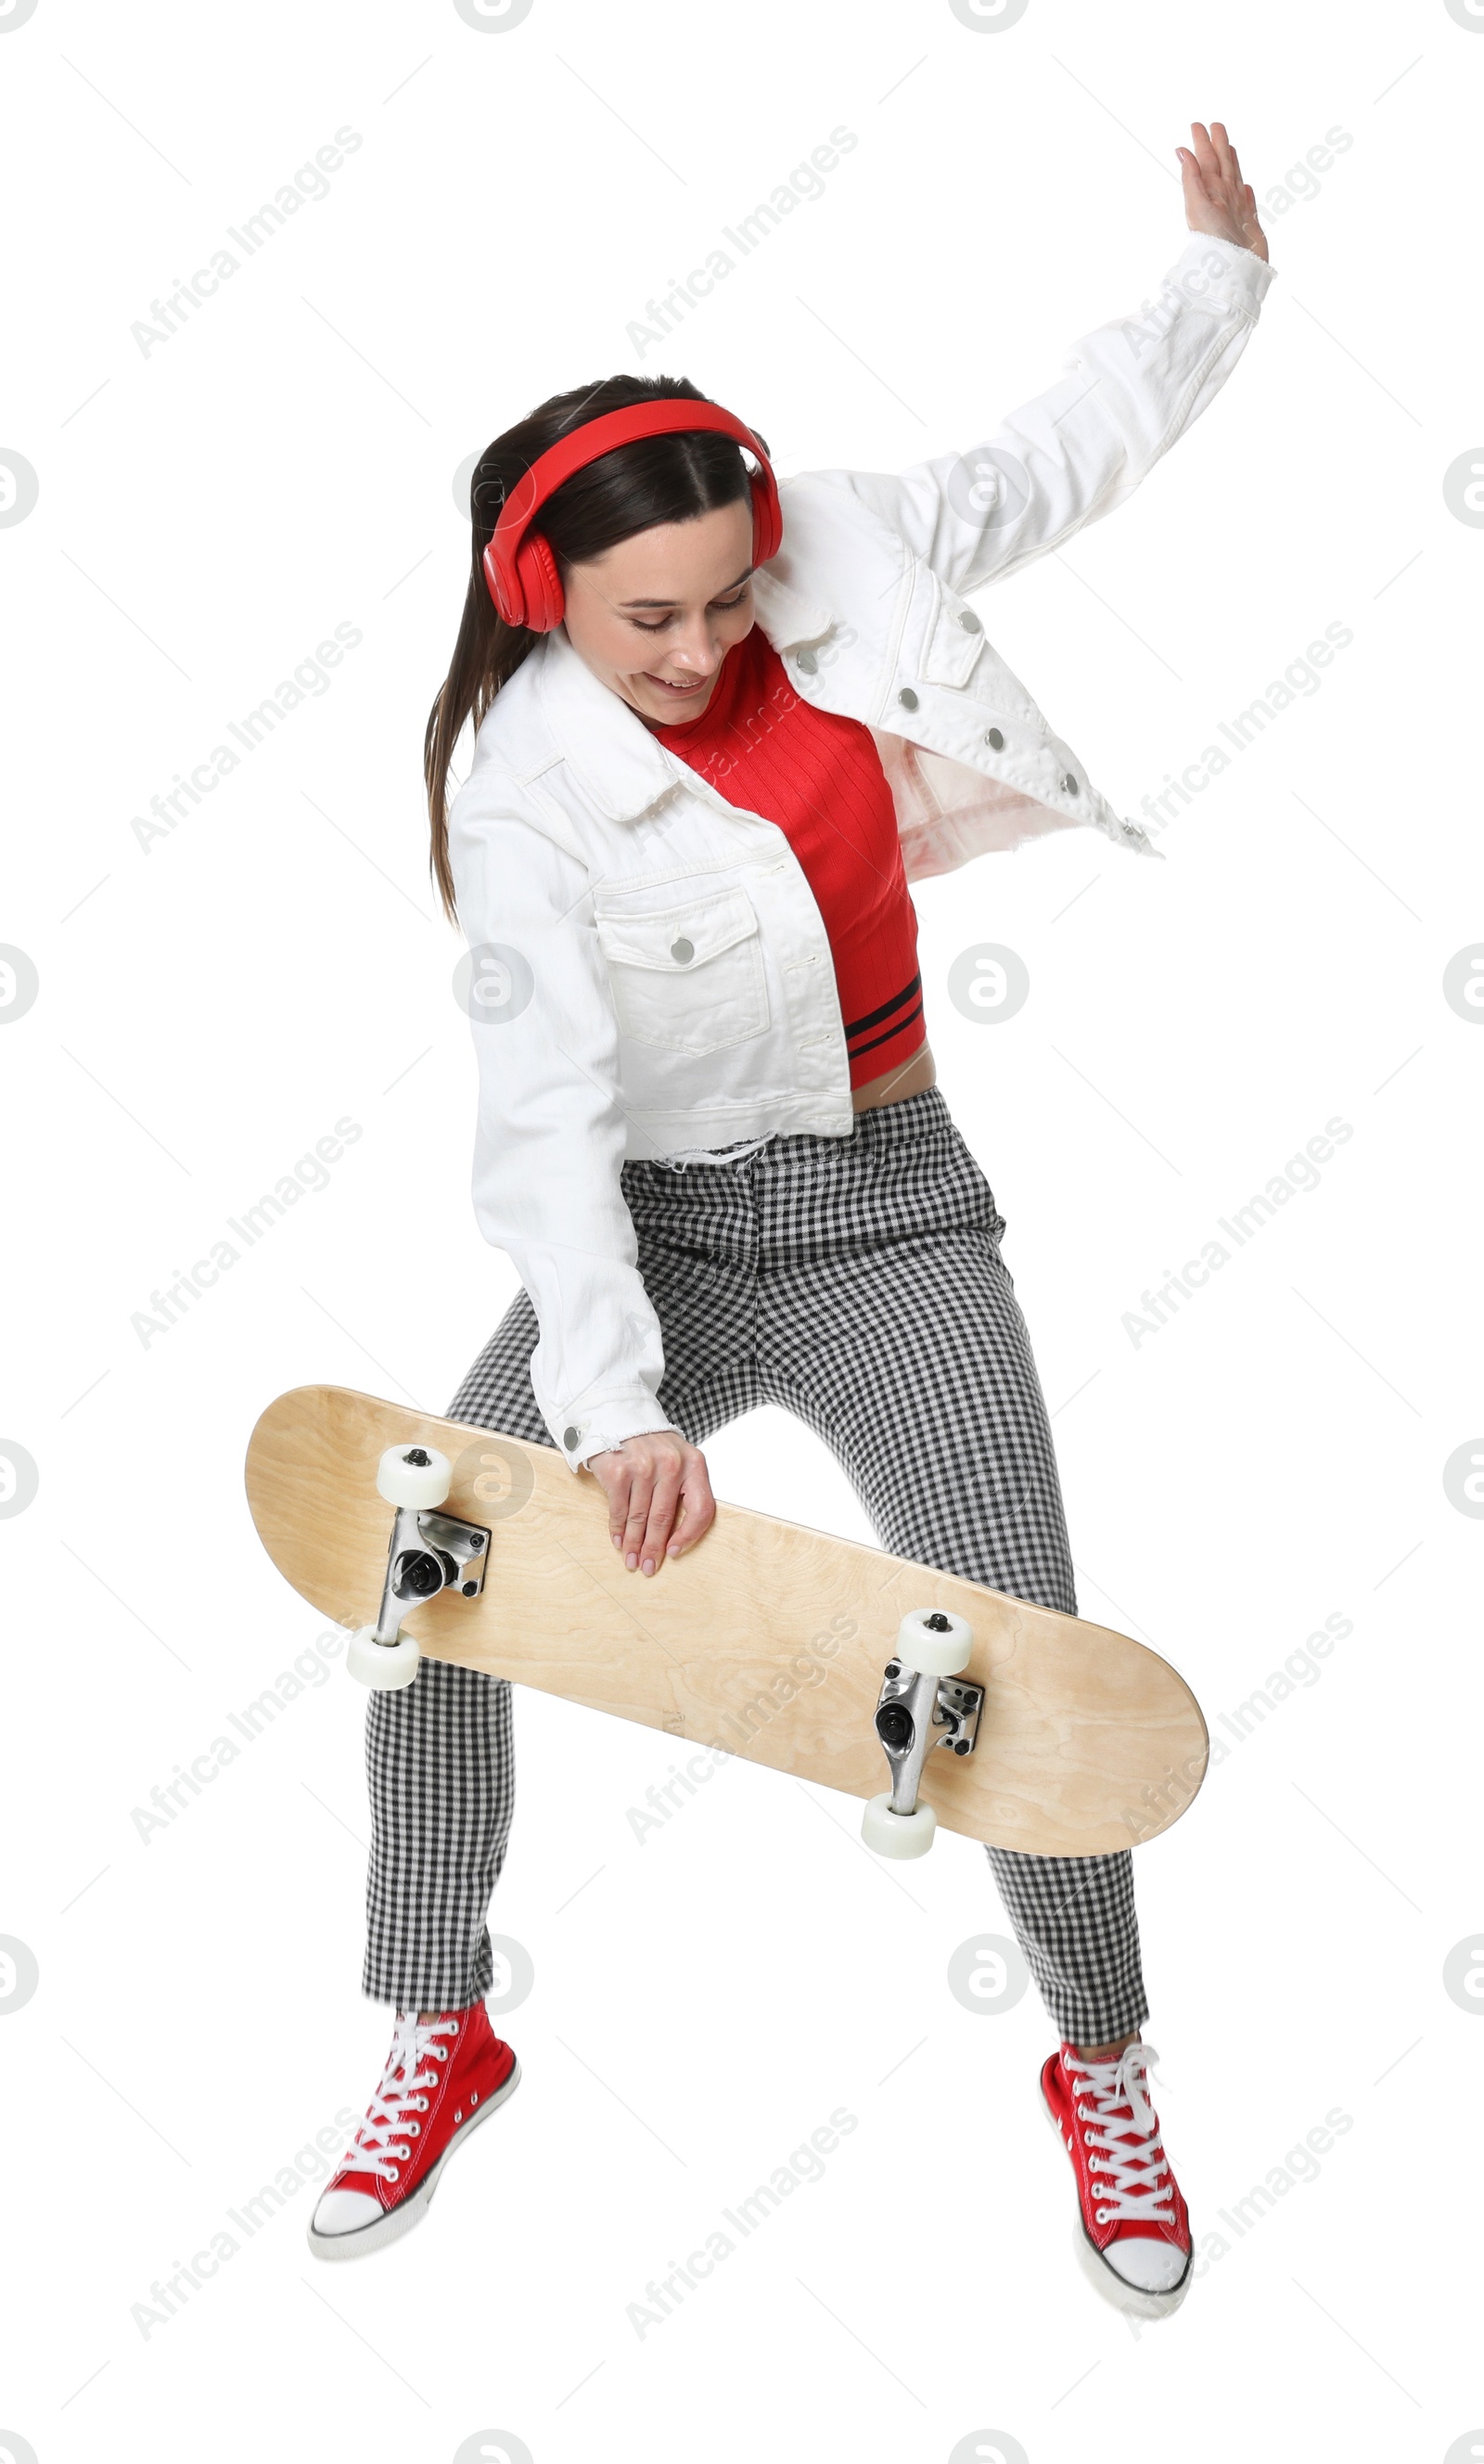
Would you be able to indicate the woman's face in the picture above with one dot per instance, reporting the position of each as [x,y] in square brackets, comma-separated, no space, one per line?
[655,617]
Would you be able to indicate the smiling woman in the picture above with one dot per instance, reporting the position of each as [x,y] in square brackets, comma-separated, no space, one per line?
[708,1134]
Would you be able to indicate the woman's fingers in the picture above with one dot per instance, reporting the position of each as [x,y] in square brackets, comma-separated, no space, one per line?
[1220,168]
[697,1506]
[658,1497]
[1217,198]
[1214,151]
[636,1519]
[1214,159]
[649,1519]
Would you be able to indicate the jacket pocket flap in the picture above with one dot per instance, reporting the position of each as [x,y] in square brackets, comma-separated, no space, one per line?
[678,937]
[953,646]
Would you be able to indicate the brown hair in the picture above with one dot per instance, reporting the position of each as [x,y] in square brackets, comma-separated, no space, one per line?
[655,479]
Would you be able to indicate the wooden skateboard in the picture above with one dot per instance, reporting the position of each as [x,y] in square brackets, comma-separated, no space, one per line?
[934,1699]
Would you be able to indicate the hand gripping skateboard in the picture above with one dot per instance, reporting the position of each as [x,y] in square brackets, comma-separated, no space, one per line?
[818,1656]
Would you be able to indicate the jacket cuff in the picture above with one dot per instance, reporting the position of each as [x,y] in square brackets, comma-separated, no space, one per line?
[632,1412]
[1250,277]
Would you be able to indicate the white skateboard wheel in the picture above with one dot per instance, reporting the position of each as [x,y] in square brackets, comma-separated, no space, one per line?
[933,1652]
[403,1481]
[896,1835]
[382,1665]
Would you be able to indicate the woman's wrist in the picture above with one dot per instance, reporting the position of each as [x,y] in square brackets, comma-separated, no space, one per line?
[615,1445]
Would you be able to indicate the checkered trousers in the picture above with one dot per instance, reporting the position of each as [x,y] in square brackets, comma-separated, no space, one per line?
[858,1282]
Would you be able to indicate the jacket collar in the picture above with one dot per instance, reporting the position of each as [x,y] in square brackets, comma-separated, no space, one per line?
[624,769]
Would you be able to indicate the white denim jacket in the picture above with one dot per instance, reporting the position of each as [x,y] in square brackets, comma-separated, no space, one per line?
[650,974]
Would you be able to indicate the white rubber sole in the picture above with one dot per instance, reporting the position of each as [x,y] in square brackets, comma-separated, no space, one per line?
[1104,2278]
[398,2220]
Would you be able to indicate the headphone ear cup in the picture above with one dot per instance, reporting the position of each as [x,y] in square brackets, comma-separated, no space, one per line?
[503,608]
[767,519]
[536,599]
[540,584]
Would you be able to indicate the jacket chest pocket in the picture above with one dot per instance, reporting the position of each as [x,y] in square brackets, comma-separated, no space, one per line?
[690,979]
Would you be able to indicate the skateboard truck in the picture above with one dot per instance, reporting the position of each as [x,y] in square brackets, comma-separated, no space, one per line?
[925,1705]
[429,1552]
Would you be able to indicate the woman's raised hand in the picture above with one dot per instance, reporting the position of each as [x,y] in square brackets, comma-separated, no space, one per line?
[658,1496]
[1217,198]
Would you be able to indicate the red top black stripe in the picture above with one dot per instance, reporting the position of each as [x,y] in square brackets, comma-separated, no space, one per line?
[900,1024]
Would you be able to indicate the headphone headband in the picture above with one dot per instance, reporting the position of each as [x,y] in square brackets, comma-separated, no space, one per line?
[519,568]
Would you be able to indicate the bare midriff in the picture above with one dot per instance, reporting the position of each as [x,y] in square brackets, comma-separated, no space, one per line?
[912,1078]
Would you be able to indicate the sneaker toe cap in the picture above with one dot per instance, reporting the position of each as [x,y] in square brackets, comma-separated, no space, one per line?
[345,2212]
[1150,2266]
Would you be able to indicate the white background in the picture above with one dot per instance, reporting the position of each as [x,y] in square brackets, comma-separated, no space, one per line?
[207,1009]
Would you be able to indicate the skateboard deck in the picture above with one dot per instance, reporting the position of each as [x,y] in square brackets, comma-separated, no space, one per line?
[767,1640]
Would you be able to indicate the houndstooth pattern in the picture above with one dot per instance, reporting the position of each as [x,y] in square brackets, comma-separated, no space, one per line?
[857,1282]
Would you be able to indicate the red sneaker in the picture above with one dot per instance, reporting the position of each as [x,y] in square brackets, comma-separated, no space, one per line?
[443,2077]
[1135,2236]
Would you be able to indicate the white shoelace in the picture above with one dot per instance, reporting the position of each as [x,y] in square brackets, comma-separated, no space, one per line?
[390,2124]
[1131,2180]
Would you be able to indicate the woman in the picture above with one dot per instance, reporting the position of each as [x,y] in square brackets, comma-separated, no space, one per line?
[716,732]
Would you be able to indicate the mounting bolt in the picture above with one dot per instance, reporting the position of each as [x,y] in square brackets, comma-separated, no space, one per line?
[894,1726]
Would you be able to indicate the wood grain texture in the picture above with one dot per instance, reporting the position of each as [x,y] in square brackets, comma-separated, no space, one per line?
[769,1640]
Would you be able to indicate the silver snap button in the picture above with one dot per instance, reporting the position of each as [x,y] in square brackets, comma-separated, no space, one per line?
[970,621]
[907,697]
[1069,783]
[570,1437]
[806,661]
[993,738]
[683,951]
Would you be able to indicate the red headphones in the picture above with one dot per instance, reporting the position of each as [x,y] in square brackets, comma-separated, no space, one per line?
[518,564]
